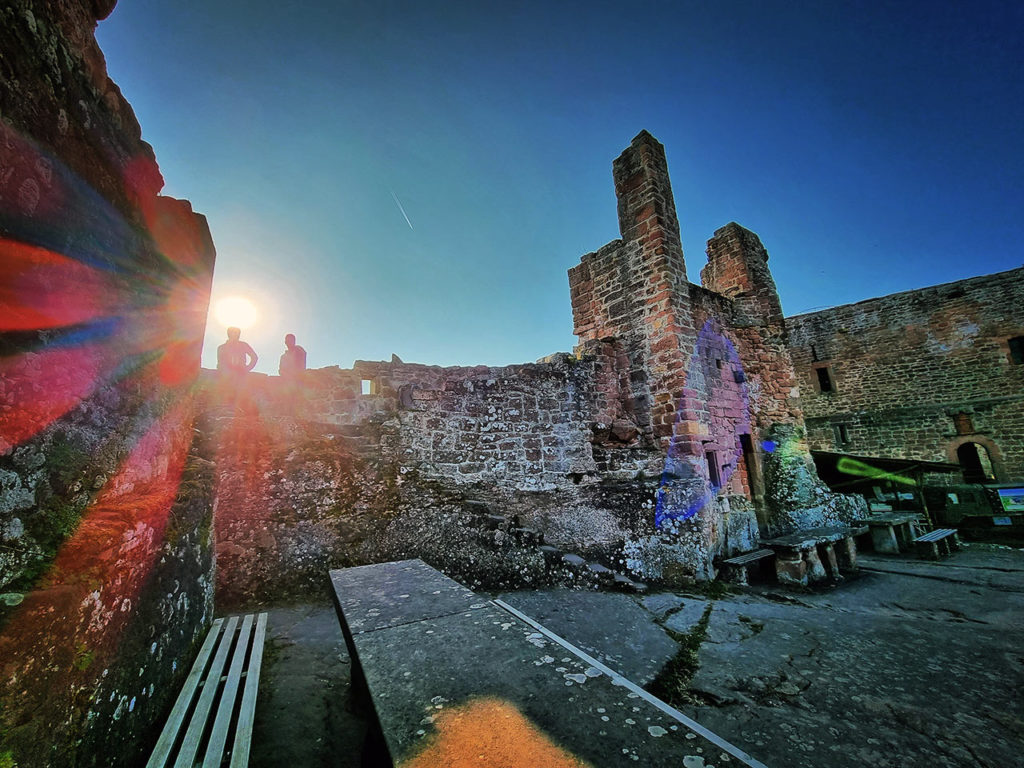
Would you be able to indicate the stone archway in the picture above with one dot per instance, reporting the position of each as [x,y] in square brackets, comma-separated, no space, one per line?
[980,458]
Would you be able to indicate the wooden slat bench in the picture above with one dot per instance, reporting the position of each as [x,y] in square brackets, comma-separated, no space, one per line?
[450,677]
[203,718]
[736,569]
[941,541]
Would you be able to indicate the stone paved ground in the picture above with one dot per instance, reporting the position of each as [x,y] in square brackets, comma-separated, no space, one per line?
[304,717]
[892,669]
[912,664]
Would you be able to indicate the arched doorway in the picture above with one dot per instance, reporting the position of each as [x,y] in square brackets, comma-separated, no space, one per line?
[976,463]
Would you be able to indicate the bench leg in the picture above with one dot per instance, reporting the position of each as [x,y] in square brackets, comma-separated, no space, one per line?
[846,553]
[950,544]
[736,574]
[904,535]
[815,570]
[790,568]
[927,550]
[827,554]
[884,539]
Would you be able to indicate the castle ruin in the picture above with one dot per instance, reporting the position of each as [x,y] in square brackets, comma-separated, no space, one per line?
[136,492]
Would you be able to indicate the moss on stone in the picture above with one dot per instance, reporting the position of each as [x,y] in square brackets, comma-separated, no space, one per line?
[672,685]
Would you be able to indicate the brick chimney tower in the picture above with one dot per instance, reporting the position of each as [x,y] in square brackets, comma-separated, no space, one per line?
[634,292]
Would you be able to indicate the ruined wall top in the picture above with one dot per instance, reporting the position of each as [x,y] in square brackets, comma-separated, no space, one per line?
[57,95]
[738,268]
[647,210]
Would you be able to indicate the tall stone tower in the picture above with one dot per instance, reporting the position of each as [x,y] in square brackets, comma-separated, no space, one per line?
[634,293]
[703,371]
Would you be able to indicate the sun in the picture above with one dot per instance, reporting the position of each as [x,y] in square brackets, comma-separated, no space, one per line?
[236,311]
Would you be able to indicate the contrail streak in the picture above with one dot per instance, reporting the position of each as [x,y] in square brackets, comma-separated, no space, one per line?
[399,204]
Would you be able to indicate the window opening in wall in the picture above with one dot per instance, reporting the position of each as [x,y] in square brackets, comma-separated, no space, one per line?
[369,387]
[713,474]
[825,383]
[842,433]
[1016,345]
[963,423]
[750,464]
[976,463]
[814,354]
[718,363]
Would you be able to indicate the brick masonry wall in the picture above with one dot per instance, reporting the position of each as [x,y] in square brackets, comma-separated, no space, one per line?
[635,291]
[785,487]
[904,365]
[633,294]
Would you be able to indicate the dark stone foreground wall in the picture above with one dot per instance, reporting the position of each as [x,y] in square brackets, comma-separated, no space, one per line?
[906,366]
[105,491]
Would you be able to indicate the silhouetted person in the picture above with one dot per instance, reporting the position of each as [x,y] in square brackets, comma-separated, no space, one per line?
[234,355]
[293,361]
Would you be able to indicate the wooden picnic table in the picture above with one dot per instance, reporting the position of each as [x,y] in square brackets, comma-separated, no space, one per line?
[892,532]
[455,678]
[816,554]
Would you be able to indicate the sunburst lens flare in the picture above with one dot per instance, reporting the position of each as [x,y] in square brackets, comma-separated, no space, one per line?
[236,311]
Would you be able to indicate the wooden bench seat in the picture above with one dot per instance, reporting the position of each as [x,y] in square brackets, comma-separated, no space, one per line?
[736,569]
[450,677]
[934,544]
[203,719]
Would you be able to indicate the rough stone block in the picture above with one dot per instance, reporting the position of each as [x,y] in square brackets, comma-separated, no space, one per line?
[815,570]
[827,554]
[846,554]
[791,571]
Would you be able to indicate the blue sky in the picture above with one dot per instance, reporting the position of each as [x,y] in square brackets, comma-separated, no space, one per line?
[874,146]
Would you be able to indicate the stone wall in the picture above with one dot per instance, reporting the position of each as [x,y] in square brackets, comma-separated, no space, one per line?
[105,494]
[708,370]
[313,473]
[919,373]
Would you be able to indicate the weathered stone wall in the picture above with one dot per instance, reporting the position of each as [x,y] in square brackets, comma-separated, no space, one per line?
[314,473]
[904,366]
[96,646]
[105,496]
[294,498]
[708,369]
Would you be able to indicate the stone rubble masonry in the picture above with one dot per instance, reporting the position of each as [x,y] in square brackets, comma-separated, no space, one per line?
[106,491]
[315,472]
[906,365]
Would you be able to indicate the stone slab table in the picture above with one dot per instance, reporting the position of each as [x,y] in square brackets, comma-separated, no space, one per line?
[892,532]
[816,554]
[451,676]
